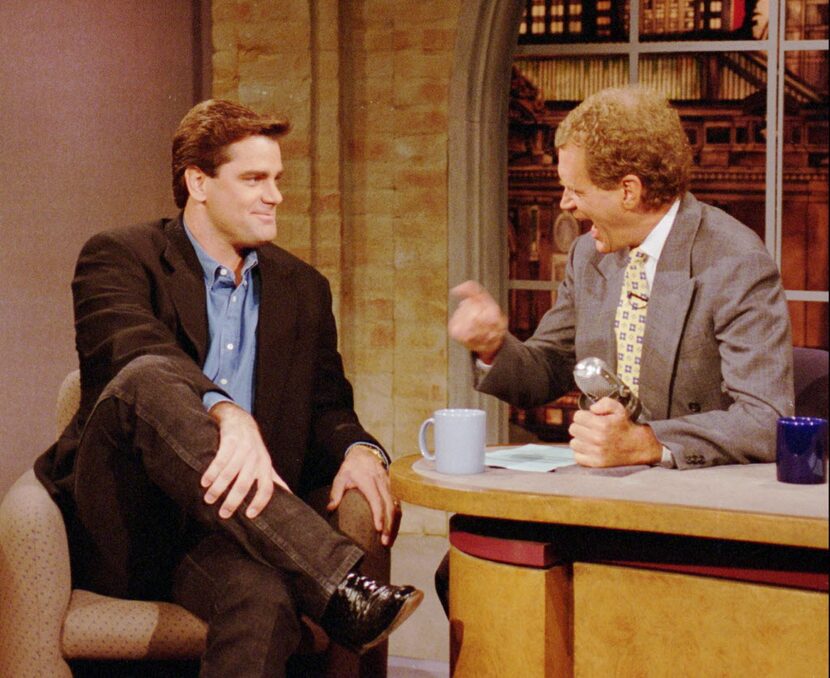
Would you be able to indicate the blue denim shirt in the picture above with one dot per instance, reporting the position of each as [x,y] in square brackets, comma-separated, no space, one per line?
[233,314]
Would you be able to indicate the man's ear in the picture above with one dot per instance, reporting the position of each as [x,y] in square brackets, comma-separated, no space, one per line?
[195,180]
[632,191]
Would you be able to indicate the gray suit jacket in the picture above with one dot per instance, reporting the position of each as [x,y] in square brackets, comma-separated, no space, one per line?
[717,354]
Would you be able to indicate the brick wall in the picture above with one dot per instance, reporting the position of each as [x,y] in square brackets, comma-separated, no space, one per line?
[365,84]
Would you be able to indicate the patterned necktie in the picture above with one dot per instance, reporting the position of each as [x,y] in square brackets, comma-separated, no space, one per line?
[630,321]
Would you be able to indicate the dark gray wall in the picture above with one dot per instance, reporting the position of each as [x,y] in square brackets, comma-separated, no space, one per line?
[90,93]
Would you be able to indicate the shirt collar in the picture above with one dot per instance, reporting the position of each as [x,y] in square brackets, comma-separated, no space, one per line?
[212,268]
[656,239]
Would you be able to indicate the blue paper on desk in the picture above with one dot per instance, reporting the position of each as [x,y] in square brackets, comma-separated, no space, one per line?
[532,457]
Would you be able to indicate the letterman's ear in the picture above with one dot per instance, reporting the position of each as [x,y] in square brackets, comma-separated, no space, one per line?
[632,191]
[195,180]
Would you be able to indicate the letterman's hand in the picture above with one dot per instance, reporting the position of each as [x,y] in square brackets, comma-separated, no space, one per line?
[605,436]
[478,323]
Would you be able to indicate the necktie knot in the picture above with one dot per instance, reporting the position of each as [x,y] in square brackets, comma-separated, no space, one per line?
[636,281]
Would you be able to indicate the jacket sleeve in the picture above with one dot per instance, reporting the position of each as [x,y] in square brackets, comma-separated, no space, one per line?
[531,373]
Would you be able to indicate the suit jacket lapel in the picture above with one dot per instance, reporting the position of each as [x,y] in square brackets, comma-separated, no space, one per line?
[186,284]
[276,330]
[602,339]
[668,306]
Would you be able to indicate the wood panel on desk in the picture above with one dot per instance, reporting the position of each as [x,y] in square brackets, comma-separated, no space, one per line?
[508,620]
[639,622]
[451,494]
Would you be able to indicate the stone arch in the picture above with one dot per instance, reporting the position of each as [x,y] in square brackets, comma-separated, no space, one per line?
[477,168]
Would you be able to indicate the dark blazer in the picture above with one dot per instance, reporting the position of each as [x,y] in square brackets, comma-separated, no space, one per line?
[717,354]
[140,290]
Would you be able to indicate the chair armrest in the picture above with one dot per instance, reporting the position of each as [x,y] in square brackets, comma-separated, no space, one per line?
[35,581]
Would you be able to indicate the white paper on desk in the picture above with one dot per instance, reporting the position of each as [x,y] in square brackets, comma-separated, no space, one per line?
[532,457]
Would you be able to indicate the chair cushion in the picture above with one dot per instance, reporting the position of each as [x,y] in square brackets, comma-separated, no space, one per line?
[99,627]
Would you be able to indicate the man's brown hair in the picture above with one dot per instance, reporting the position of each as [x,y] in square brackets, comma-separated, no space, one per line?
[631,130]
[207,130]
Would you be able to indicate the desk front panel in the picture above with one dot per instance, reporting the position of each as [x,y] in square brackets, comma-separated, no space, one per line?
[640,622]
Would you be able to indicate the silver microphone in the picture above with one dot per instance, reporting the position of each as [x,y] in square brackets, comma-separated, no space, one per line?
[596,381]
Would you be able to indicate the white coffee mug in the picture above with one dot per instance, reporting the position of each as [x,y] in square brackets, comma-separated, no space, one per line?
[459,440]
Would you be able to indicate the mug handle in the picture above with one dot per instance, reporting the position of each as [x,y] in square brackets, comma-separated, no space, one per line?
[422,439]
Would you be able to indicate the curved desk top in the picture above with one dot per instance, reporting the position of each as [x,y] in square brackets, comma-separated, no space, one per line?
[740,502]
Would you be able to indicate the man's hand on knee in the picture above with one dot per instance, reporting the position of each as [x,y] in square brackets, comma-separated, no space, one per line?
[241,460]
[364,471]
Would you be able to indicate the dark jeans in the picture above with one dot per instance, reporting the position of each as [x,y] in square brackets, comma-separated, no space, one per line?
[142,529]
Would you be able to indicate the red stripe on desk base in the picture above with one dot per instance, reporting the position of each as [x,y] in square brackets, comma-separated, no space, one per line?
[527,553]
[510,551]
[814,581]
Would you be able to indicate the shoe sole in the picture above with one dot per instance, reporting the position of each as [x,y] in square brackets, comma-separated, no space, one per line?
[409,606]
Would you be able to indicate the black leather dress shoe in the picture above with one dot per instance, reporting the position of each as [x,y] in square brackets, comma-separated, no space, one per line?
[363,612]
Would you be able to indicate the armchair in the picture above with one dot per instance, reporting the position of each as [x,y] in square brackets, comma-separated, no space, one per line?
[44,622]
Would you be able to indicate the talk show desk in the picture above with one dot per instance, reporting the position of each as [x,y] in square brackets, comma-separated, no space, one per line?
[631,572]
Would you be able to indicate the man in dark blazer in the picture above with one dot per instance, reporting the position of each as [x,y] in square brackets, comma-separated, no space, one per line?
[213,406]
[715,371]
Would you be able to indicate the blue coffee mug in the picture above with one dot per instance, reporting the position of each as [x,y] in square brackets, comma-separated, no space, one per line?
[801,450]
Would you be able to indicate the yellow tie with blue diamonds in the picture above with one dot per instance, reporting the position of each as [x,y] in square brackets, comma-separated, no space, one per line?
[630,321]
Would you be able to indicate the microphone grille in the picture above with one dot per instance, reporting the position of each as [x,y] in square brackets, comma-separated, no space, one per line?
[590,376]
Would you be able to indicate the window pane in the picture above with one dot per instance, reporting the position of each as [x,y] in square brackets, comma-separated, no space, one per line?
[525,310]
[574,21]
[549,422]
[804,211]
[806,20]
[529,238]
[539,234]
[542,93]
[721,98]
[809,321]
[682,20]
[559,81]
